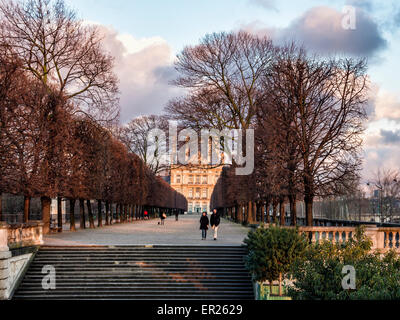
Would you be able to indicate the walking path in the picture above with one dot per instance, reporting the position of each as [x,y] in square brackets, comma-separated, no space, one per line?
[184,232]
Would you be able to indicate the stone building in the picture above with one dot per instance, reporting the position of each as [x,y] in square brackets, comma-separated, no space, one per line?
[196,184]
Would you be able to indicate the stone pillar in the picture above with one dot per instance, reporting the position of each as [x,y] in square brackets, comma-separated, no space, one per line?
[5,255]
[376,237]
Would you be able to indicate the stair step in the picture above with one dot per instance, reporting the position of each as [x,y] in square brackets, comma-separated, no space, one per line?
[140,273]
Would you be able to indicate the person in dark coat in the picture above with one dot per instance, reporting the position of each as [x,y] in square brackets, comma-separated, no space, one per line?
[163,216]
[204,223]
[215,222]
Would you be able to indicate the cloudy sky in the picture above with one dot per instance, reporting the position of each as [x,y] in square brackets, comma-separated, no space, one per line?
[145,36]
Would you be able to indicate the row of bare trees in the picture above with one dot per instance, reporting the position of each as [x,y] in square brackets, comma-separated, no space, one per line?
[59,102]
[307,111]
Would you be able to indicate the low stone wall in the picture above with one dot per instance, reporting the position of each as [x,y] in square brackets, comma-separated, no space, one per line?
[23,235]
[11,268]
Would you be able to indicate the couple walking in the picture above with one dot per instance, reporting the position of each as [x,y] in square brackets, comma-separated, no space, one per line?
[214,221]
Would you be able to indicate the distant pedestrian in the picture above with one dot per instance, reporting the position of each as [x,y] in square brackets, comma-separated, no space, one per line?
[176,215]
[204,223]
[163,217]
[215,222]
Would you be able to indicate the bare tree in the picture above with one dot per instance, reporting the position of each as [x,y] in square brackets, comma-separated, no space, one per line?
[62,53]
[135,136]
[277,152]
[222,75]
[387,183]
[10,85]
[327,98]
[66,57]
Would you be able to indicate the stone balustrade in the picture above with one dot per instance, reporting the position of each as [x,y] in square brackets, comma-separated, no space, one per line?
[383,239]
[334,234]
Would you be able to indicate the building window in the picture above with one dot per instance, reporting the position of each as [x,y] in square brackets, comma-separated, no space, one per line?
[198,179]
[190,179]
[190,207]
[191,193]
[205,193]
[198,190]
[205,180]
[178,179]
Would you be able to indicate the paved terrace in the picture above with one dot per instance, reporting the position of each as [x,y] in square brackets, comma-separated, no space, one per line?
[184,232]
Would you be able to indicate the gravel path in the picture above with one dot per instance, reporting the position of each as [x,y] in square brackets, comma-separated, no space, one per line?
[184,232]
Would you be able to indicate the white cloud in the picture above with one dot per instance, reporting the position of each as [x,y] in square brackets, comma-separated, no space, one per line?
[133,45]
[387,105]
[320,29]
[144,67]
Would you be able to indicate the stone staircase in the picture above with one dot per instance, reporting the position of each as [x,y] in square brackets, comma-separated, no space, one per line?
[139,273]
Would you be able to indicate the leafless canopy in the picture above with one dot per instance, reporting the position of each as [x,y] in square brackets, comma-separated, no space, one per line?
[222,75]
[135,135]
[310,120]
[62,52]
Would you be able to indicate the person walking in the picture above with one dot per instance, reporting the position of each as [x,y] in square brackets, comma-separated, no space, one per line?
[163,216]
[204,223]
[215,222]
[176,215]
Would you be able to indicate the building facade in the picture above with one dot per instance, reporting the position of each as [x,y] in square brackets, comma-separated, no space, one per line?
[196,184]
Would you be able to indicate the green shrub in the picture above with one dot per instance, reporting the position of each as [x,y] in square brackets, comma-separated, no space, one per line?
[272,251]
[319,276]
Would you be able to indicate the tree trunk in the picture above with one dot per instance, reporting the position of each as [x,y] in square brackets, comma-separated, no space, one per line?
[72,215]
[117,213]
[107,213]
[250,212]
[111,214]
[132,212]
[1,206]
[275,211]
[82,214]
[282,212]
[46,206]
[309,201]
[293,210]
[27,208]
[59,214]
[90,214]
[267,207]
[280,284]
[100,214]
